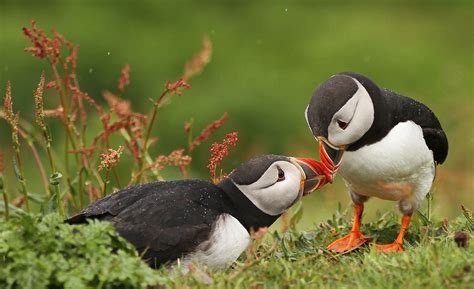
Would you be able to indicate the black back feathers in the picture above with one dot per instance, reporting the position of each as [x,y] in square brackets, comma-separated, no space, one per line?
[164,220]
[404,108]
[167,220]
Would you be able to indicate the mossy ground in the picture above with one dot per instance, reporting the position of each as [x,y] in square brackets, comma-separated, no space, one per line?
[42,252]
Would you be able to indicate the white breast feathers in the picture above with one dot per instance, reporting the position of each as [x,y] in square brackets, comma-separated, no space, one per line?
[398,167]
[227,241]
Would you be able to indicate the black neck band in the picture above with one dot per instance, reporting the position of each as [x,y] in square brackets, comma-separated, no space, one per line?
[251,217]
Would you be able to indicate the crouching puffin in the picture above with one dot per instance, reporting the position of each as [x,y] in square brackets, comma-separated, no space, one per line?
[383,144]
[203,222]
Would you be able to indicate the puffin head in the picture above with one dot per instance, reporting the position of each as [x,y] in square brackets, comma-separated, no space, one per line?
[274,183]
[341,112]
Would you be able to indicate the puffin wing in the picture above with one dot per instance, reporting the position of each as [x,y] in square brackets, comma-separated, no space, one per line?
[405,108]
[113,204]
[163,220]
[437,142]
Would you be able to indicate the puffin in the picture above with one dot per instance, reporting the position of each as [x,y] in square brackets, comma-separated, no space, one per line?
[383,144]
[198,221]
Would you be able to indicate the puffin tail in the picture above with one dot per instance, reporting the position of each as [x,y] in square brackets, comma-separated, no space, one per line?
[77,219]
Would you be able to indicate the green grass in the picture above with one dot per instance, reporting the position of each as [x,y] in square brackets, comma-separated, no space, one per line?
[431,260]
[291,259]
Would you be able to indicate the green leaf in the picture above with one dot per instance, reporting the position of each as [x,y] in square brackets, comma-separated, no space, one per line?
[35,198]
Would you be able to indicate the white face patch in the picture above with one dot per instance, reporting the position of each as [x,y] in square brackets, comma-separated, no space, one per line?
[357,113]
[271,196]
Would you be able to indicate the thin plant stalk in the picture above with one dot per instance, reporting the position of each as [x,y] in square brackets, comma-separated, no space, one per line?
[154,113]
[39,115]
[116,177]
[106,181]
[5,200]
[13,120]
[109,160]
[99,179]
[2,190]
[170,87]
[20,174]
[64,103]
[67,122]
[82,141]
[81,138]
[39,164]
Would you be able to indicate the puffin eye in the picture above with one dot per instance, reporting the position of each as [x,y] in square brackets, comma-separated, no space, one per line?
[342,124]
[281,175]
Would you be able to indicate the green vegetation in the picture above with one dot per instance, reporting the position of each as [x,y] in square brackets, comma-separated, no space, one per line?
[45,253]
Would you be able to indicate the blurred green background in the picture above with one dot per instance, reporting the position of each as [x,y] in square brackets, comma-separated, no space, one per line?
[268,57]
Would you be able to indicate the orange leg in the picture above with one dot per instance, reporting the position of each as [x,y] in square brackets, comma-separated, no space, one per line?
[396,246]
[355,238]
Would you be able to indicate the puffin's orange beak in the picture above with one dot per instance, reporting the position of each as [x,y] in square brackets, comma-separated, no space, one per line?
[315,176]
[331,158]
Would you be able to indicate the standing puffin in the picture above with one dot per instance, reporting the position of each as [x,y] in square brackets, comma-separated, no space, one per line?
[383,144]
[203,222]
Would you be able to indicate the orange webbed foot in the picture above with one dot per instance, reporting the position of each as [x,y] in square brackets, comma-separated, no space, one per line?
[348,243]
[394,247]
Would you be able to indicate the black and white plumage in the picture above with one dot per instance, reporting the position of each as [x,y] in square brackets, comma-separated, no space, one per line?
[198,221]
[383,144]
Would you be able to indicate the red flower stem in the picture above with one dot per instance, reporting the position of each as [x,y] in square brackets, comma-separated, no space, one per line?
[44,178]
[64,104]
[156,105]
[67,123]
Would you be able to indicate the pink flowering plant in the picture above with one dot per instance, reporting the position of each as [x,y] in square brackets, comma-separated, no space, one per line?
[88,170]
